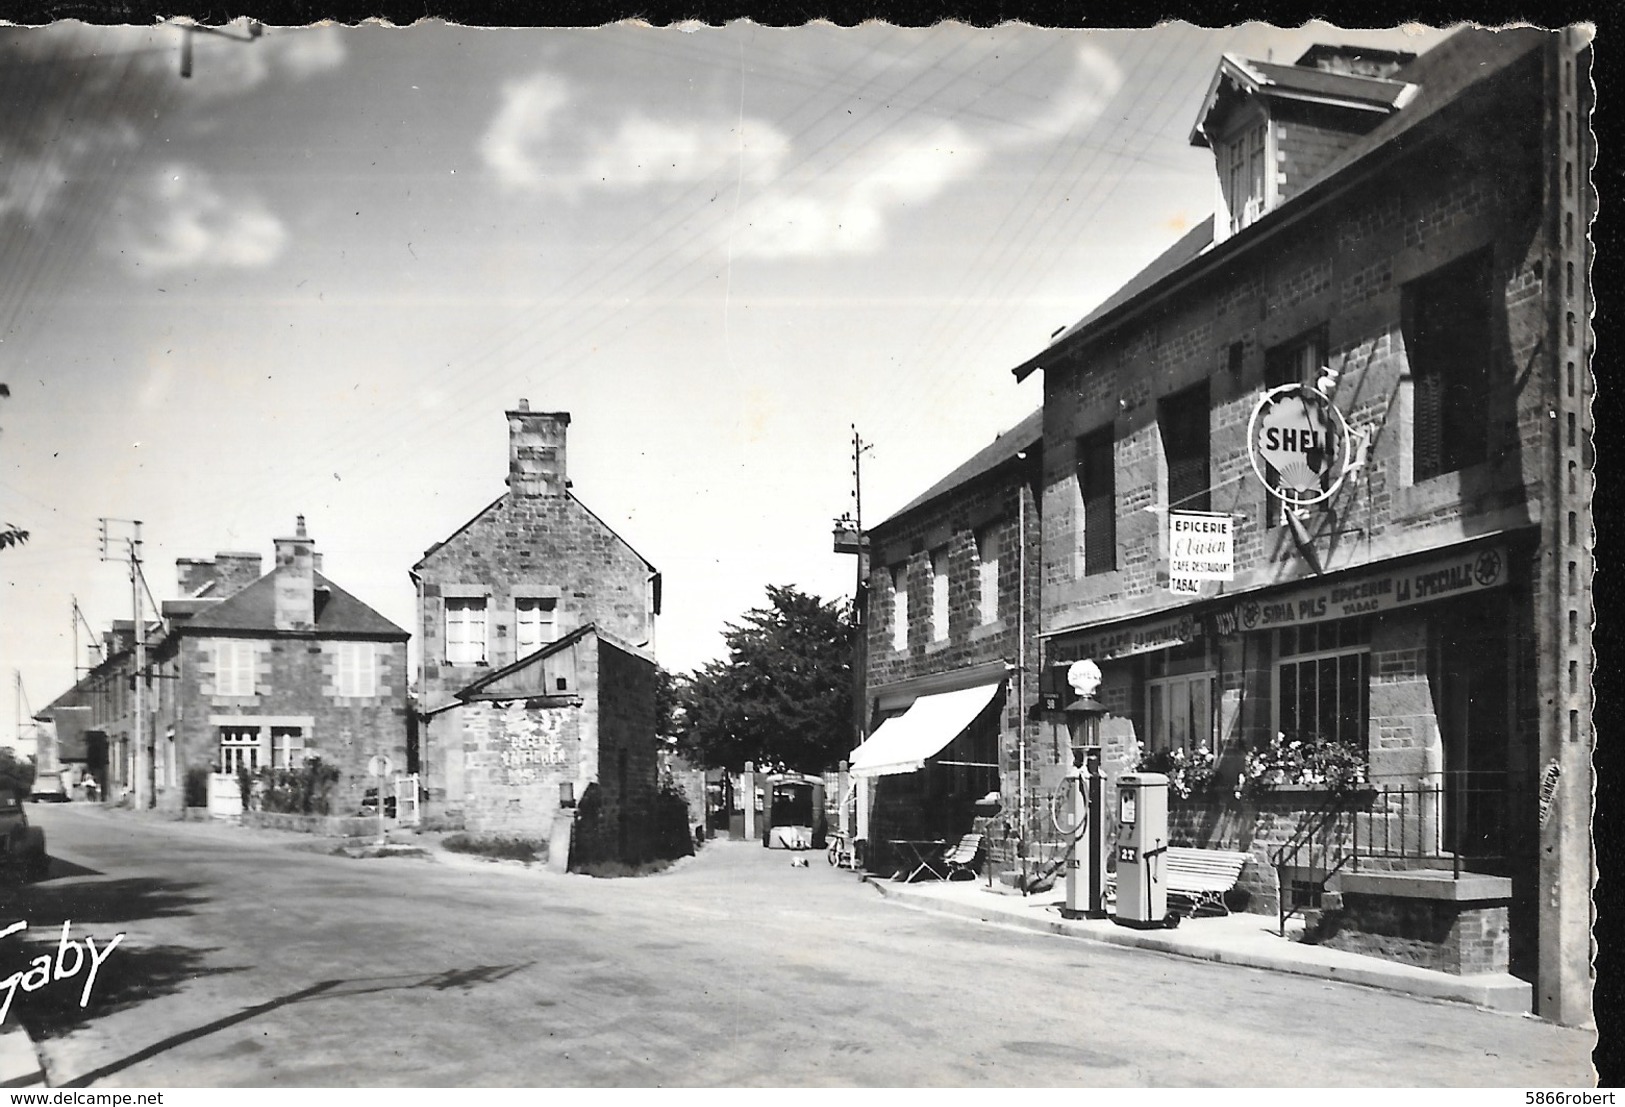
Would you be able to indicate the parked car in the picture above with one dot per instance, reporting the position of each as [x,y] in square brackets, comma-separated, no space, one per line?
[22,847]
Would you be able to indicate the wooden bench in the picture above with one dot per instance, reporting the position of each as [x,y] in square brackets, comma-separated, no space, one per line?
[1197,878]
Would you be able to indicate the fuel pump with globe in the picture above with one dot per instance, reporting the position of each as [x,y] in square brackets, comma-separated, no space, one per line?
[1085,783]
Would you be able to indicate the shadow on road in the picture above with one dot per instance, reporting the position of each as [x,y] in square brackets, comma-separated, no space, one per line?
[48,905]
[126,978]
[325,989]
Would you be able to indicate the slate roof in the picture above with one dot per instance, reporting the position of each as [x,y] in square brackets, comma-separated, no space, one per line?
[1024,435]
[254,609]
[1440,76]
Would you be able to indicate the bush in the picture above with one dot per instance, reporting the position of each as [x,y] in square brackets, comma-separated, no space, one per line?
[671,836]
[197,786]
[507,849]
[306,790]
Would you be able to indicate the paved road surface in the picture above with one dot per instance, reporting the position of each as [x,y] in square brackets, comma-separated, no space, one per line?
[250,962]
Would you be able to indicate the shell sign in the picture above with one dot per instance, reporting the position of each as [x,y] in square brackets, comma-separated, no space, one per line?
[1298,444]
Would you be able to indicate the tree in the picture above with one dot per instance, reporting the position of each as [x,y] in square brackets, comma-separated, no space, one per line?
[10,535]
[16,772]
[783,697]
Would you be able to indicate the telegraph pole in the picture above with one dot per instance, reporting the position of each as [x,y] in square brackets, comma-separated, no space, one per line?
[142,755]
[850,539]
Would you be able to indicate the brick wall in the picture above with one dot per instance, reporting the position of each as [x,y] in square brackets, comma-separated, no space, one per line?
[1000,500]
[1345,268]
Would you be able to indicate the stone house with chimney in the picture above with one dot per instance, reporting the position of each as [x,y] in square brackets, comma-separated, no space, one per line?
[537,629]
[247,670]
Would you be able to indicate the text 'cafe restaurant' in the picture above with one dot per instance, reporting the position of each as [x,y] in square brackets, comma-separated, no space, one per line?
[1414,661]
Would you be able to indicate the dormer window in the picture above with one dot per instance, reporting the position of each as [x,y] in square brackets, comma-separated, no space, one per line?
[1246,185]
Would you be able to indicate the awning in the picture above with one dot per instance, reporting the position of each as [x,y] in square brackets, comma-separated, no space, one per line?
[902,743]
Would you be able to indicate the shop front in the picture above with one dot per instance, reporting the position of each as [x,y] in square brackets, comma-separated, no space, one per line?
[1377,717]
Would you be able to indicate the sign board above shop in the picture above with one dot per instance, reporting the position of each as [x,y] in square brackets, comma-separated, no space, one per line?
[1437,579]
[1128,639]
[1201,546]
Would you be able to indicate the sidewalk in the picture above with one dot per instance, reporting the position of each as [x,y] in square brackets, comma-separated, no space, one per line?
[1239,939]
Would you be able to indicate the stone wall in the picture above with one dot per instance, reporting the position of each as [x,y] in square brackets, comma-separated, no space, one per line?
[295,680]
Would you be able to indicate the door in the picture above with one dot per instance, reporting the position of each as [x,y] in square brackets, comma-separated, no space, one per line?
[1473,700]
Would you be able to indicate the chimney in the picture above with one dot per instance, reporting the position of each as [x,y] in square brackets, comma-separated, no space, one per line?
[295,581]
[536,451]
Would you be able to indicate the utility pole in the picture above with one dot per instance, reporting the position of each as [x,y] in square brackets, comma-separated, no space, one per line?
[142,755]
[850,539]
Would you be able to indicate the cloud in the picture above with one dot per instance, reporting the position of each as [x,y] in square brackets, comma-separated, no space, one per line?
[514,144]
[180,219]
[847,213]
[1080,98]
[224,66]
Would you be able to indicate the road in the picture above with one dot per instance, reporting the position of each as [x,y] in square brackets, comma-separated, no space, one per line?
[249,959]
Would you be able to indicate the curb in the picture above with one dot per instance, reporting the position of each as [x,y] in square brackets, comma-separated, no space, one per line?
[20,1064]
[1497,992]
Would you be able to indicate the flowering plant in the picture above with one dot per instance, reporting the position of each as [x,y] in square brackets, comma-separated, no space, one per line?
[1188,771]
[1313,761]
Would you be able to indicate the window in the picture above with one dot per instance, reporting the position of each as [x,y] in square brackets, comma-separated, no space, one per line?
[234,669]
[939,594]
[357,673]
[1180,699]
[533,625]
[1246,175]
[1097,488]
[1446,321]
[899,607]
[987,558]
[1183,420]
[239,748]
[465,630]
[1179,711]
[1322,681]
[287,747]
[1296,362]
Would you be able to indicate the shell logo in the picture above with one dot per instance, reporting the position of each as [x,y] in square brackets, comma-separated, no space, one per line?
[1298,444]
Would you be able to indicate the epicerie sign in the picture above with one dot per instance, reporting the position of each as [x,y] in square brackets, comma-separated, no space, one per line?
[1201,546]
[1298,444]
[1433,580]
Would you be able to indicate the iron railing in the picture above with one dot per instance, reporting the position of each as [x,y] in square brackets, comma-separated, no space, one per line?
[1455,820]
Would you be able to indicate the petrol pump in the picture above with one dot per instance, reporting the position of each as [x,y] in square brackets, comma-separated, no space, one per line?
[1142,839]
[1085,786]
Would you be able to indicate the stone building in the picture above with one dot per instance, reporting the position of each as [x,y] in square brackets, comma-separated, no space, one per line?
[536,588]
[1417,225]
[950,657]
[247,671]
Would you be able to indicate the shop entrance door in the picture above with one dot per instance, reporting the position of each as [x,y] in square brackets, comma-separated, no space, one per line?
[1473,698]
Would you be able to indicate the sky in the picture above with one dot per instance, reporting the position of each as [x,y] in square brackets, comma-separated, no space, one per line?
[310,278]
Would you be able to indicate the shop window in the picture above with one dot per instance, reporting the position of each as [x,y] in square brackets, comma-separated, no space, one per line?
[239,748]
[899,607]
[1323,673]
[357,669]
[465,630]
[533,624]
[1097,488]
[939,594]
[1447,320]
[1179,711]
[234,669]
[1183,421]
[1296,362]
[987,558]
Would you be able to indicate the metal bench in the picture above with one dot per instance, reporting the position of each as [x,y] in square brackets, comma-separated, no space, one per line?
[1196,879]
[958,860]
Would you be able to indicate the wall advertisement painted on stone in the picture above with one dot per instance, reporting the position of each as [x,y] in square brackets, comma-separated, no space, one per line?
[534,743]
